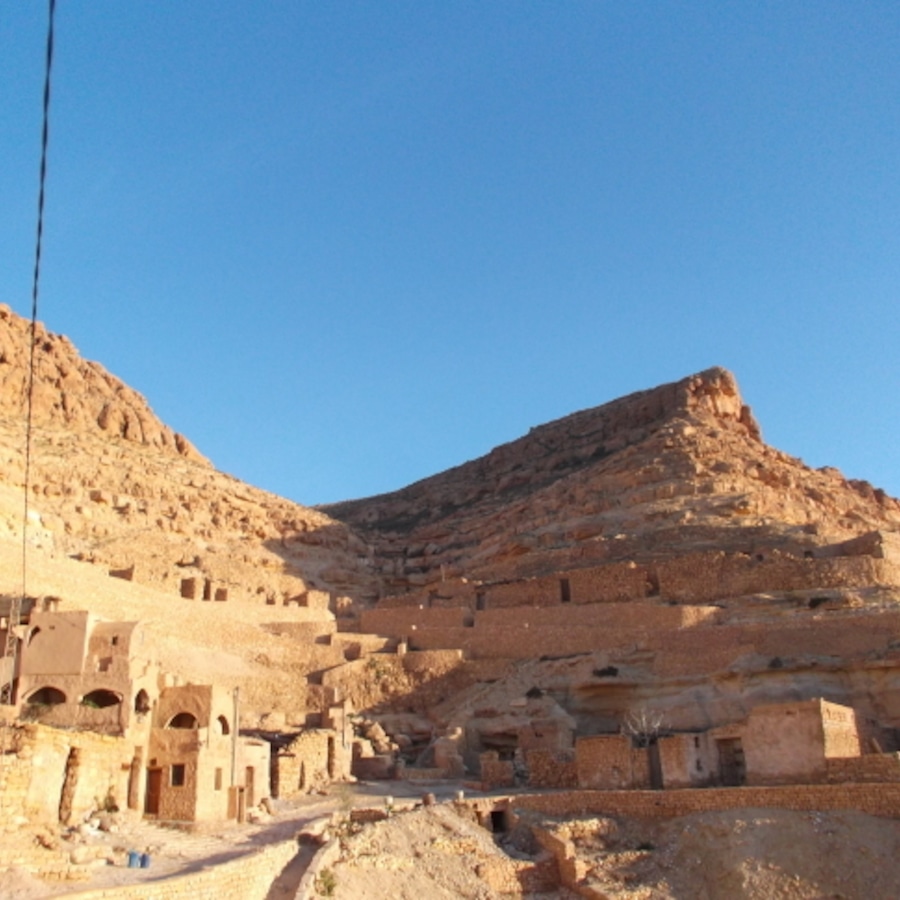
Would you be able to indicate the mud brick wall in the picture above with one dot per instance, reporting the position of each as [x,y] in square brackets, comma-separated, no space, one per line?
[687,760]
[876,767]
[609,762]
[876,799]
[635,614]
[170,747]
[703,577]
[552,769]
[616,581]
[783,743]
[528,592]
[401,621]
[495,773]
[249,877]
[708,649]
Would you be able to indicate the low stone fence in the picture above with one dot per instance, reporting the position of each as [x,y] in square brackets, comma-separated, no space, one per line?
[248,877]
[877,799]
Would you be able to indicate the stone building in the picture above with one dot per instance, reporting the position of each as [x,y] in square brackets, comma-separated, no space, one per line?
[187,760]
[805,742]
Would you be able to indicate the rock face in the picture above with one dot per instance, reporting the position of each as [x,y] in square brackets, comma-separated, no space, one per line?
[74,394]
[677,468]
[114,486]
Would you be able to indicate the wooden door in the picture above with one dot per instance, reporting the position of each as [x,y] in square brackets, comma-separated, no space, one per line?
[154,789]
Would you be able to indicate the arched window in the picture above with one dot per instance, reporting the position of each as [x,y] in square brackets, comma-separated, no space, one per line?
[142,702]
[183,720]
[100,699]
[32,635]
[47,696]
[222,723]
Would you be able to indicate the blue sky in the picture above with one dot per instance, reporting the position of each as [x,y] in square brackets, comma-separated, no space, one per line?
[346,245]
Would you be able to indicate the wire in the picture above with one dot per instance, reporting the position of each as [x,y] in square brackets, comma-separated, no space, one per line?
[15,612]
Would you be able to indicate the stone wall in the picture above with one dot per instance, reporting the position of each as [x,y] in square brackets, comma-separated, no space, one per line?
[876,767]
[552,769]
[44,770]
[302,766]
[609,762]
[248,877]
[495,772]
[695,578]
[876,799]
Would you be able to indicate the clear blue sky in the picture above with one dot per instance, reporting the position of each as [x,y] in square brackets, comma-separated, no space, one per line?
[346,245]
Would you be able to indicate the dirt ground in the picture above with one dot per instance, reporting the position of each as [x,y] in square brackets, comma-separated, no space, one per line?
[433,852]
[752,854]
[174,851]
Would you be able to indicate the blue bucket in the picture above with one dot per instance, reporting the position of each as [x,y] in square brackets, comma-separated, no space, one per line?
[145,860]
[134,859]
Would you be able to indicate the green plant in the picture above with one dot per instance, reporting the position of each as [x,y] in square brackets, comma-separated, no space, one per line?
[326,883]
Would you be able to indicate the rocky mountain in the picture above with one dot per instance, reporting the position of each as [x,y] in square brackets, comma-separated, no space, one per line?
[112,485]
[678,468]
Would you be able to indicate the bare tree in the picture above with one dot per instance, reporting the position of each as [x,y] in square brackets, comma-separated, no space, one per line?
[643,726]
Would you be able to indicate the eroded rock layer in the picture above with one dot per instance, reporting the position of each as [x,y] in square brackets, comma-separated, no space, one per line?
[678,468]
[114,486]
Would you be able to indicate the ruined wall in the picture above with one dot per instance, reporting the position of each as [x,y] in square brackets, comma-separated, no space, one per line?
[44,770]
[302,766]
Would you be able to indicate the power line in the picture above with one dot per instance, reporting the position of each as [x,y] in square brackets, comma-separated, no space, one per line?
[15,612]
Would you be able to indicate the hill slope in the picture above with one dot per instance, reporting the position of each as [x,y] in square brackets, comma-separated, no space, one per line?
[675,468]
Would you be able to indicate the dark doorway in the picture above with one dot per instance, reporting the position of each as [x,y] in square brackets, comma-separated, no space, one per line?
[565,591]
[732,768]
[656,776]
[154,788]
[499,823]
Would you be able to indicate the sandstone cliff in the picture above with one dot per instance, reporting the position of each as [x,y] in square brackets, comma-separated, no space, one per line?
[677,468]
[114,486]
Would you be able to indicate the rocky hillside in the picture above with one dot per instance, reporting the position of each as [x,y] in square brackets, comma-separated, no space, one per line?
[679,467]
[114,486]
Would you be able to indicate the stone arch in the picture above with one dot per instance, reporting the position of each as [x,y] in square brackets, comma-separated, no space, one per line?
[101,698]
[183,720]
[47,696]
[222,725]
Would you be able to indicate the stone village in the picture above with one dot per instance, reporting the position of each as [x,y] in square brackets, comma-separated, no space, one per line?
[637,607]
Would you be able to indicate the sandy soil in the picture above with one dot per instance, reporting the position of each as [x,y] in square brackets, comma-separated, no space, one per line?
[174,851]
[433,852]
[752,854]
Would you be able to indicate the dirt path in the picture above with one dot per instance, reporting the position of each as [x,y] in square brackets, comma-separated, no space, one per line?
[174,851]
